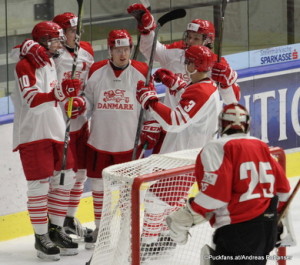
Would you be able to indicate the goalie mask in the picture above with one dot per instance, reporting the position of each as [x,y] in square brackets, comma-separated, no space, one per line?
[201,56]
[47,31]
[203,27]
[66,20]
[234,118]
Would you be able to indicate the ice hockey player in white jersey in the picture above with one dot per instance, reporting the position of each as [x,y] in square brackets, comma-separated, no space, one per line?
[195,118]
[38,135]
[241,189]
[110,97]
[79,130]
[171,57]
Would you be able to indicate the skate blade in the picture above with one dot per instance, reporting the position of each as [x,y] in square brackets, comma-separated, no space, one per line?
[42,255]
[68,251]
[89,246]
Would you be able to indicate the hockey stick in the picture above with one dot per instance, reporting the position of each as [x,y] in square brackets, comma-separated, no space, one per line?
[138,18]
[221,28]
[287,204]
[172,15]
[69,111]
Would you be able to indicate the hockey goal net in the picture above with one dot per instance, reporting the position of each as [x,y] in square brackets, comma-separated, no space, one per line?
[138,195]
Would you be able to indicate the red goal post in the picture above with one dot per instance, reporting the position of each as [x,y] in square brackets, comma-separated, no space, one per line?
[153,181]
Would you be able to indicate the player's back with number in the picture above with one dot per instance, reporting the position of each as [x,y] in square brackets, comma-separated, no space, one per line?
[242,178]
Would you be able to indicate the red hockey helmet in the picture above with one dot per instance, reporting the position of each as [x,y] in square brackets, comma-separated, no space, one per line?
[201,56]
[203,27]
[66,20]
[234,118]
[119,38]
[46,31]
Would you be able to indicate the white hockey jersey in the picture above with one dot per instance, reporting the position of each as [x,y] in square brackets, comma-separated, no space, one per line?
[64,64]
[112,105]
[193,122]
[172,58]
[43,119]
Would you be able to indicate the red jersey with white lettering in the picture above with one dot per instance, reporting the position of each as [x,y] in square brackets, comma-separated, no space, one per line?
[172,57]
[112,105]
[38,115]
[237,177]
[64,63]
[193,122]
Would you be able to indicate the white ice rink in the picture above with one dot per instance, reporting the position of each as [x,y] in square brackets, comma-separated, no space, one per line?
[21,251]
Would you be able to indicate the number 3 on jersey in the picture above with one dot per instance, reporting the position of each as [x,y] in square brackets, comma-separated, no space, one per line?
[248,169]
[188,107]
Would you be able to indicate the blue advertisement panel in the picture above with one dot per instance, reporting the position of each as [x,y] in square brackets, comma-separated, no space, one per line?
[273,101]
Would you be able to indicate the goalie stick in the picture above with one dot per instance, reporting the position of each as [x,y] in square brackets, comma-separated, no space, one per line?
[172,15]
[289,201]
[69,112]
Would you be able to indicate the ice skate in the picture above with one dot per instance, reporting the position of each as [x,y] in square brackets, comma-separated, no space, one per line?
[46,249]
[63,241]
[91,239]
[73,227]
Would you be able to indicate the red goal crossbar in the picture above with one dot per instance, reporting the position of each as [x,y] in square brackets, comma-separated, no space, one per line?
[135,206]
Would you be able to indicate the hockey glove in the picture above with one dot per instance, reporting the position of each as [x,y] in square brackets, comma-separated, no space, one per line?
[69,88]
[146,22]
[170,80]
[34,53]
[150,133]
[180,222]
[78,107]
[145,94]
[224,74]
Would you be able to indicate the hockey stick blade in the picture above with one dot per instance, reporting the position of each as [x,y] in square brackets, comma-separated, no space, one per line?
[172,15]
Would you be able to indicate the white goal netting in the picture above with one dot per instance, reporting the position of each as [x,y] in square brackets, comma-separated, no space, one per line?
[138,196]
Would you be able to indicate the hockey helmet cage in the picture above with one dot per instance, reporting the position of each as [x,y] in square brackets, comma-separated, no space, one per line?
[234,118]
[46,31]
[201,56]
[119,38]
[66,20]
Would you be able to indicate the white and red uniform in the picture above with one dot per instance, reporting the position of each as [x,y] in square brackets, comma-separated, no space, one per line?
[172,58]
[39,130]
[237,177]
[195,118]
[37,116]
[111,99]
[64,64]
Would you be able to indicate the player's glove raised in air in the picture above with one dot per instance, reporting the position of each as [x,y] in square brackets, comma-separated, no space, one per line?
[78,107]
[145,94]
[170,80]
[146,22]
[34,53]
[180,222]
[150,134]
[69,88]
[224,74]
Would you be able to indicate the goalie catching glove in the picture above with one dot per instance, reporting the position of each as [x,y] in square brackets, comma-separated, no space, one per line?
[69,88]
[146,22]
[78,107]
[170,80]
[34,53]
[180,222]
[145,94]
[224,74]
[150,134]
